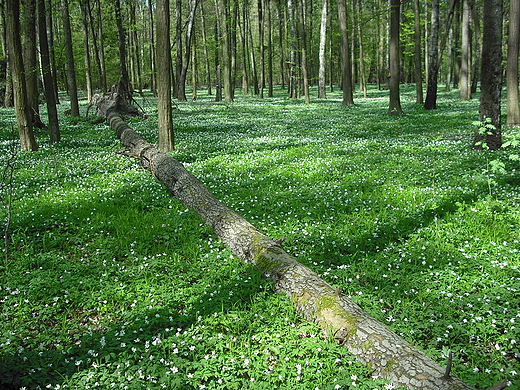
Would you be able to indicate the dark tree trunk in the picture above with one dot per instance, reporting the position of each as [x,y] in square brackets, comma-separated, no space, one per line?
[346,75]
[434,54]
[48,82]
[121,38]
[29,59]
[342,320]
[71,69]
[395,97]
[491,85]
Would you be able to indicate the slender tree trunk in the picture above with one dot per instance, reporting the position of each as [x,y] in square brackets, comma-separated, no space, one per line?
[69,60]
[205,47]
[293,80]
[465,88]
[346,76]
[8,97]
[491,85]
[103,70]
[84,5]
[48,82]
[303,35]
[225,37]
[14,45]
[261,27]
[29,57]
[435,54]
[96,47]
[249,38]
[179,91]
[164,99]
[450,60]
[323,41]
[270,91]
[282,27]
[513,108]
[395,97]
[417,55]
[194,75]
[362,77]
[431,89]
[153,73]
[477,44]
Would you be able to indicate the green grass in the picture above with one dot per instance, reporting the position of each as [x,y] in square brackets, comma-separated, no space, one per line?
[111,283]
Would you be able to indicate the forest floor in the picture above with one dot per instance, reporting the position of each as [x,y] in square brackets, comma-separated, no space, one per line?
[106,281]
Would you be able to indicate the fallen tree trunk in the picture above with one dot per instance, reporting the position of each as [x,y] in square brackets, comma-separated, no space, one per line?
[369,340]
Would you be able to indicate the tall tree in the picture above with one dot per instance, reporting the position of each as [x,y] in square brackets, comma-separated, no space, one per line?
[224,11]
[101,48]
[84,5]
[417,54]
[8,97]
[29,57]
[153,83]
[14,44]
[261,28]
[48,82]
[395,96]
[184,51]
[323,41]
[303,40]
[346,75]
[270,91]
[121,38]
[435,53]
[164,95]
[69,60]
[465,89]
[491,85]
[431,89]
[362,78]
[513,108]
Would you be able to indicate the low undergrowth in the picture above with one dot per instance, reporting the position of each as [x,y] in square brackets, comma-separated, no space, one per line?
[111,283]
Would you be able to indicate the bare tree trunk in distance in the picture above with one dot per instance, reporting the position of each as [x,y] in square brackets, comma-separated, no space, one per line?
[395,98]
[417,55]
[164,92]
[435,54]
[491,85]
[103,70]
[71,69]
[346,75]
[153,73]
[84,5]
[14,45]
[465,89]
[48,82]
[261,28]
[303,35]
[205,47]
[513,108]
[323,41]
[431,89]
[270,88]
[362,78]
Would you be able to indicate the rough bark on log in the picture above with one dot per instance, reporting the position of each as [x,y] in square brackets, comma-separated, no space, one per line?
[369,340]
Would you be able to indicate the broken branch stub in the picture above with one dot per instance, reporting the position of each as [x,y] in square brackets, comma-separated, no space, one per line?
[369,340]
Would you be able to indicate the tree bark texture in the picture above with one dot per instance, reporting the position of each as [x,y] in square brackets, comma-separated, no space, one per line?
[23,114]
[395,98]
[346,75]
[388,355]
[491,85]
[513,108]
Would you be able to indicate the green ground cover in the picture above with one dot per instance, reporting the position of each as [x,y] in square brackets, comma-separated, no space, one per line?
[111,283]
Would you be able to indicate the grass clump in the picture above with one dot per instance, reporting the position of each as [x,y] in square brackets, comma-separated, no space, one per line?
[111,283]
